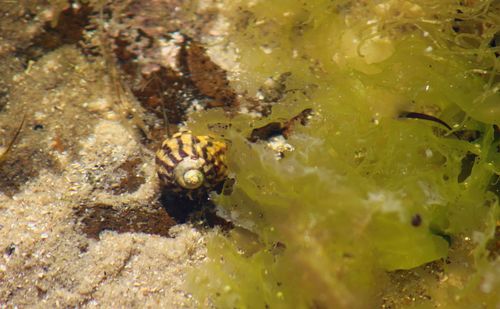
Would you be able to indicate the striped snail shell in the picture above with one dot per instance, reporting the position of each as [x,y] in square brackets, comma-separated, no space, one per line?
[188,163]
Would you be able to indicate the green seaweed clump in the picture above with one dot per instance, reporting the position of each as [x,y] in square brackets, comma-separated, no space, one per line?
[368,197]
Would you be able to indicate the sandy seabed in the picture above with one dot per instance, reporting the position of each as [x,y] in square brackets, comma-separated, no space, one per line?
[75,230]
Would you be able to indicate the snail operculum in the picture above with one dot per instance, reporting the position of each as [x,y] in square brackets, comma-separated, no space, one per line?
[188,173]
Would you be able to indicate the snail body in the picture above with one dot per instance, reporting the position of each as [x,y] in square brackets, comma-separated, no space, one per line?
[189,164]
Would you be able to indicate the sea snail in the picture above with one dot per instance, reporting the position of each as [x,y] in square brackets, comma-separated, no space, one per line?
[190,164]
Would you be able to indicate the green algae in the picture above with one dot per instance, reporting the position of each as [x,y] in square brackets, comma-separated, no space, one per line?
[365,191]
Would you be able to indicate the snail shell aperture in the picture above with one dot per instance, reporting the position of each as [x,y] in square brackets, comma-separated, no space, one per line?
[187,163]
[188,175]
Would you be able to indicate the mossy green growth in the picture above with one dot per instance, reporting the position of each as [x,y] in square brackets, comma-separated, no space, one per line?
[365,192]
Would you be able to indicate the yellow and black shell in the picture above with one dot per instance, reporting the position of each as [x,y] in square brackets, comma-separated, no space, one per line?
[187,163]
